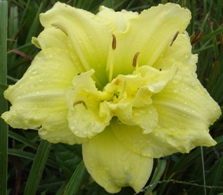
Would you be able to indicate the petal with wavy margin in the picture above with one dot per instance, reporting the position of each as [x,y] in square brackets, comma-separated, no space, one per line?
[160,25]
[88,33]
[38,99]
[183,121]
[112,165]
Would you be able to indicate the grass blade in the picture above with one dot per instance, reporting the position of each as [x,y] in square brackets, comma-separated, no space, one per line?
[156,176]
[77,179]
[203,169]
[3,102]
[37,168]
[23,140]
[29,156]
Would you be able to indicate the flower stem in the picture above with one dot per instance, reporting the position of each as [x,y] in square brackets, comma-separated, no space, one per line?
[203,169]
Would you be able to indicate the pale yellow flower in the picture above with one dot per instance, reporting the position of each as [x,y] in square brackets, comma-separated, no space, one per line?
[122,84]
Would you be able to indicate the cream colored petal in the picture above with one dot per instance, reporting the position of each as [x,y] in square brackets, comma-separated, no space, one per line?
[185,109]
[131,101]
[38,99]
[83,100]
[89,35]
[113,166]
[151,33]
[121,20]
[178,55]
[51,38]
[185,112]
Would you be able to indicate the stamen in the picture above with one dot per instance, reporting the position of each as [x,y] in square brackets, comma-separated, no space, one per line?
[174,38]
[80,102]
[113,42]
[110,58]
[134,62]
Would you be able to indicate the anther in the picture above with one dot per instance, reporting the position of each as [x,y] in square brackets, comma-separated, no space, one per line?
[134,62]
[174,38]
[80,102]
[113,42]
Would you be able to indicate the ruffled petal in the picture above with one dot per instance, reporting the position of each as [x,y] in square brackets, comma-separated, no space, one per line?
[131,101]
[184,117]
[85,31]
[156,28]
[185,108]
[185,111]
[83,100]
[112,165]
[38,99]
[179,57]
[51,38]
[120,21]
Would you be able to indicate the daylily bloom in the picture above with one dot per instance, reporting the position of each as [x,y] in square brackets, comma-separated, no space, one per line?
[122,84]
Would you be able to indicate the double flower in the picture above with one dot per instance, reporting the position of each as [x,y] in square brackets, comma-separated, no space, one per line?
[122,84]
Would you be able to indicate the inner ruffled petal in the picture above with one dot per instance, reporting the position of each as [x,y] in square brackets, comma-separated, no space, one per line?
[183,122]
[83,99]
[127,97]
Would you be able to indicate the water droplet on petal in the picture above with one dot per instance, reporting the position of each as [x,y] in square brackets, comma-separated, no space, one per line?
[73,128]
[57,139]
[176,90]
[140,141]
[172,141]
[43,132]
[177,78]
[193,111]
[194,74]
[186,56]
[148,152]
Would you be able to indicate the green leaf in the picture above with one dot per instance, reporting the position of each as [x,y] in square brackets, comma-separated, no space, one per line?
[215,176]
[3,102]
[160,168]
[37,168]
[3,87]
[23,140]
[68,157]
[76,181]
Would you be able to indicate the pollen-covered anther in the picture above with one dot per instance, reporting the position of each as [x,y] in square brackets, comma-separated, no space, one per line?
[113,42]
[134,62]
[80,102]
[174,38]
